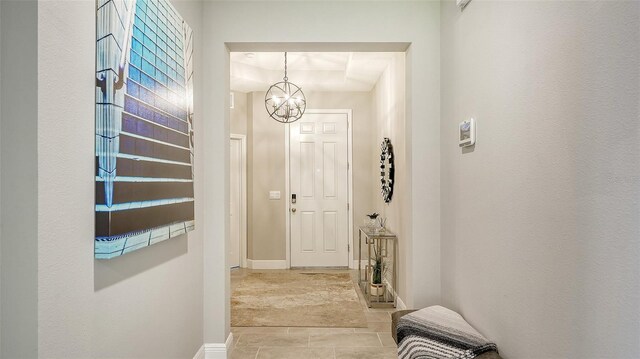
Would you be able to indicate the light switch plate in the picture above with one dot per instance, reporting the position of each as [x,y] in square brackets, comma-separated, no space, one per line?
[274,194]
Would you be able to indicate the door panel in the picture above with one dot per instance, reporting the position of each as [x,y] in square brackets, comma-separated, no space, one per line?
[330,231]
[307,225]
[318,178]
[329,170]
[307,169]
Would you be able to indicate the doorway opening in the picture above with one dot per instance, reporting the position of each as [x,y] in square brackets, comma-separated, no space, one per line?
[358,93]
[309,185]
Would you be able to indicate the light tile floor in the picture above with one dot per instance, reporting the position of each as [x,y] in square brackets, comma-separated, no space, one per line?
[373,342]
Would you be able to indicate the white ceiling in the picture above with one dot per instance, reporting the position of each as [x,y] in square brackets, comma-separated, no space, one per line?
[312,71]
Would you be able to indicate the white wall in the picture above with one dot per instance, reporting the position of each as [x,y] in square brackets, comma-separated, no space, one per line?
[541,230]
[145,304]
[18,191]
[241,26]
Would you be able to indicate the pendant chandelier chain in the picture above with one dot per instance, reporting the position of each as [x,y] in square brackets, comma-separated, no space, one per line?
[286,79]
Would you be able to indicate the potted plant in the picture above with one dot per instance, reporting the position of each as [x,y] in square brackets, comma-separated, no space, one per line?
[376,285]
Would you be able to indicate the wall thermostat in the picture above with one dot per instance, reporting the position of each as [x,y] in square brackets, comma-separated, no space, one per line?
[467,133]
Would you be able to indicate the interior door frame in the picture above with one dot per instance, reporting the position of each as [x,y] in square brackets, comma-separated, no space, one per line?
[287,198]
[243,195]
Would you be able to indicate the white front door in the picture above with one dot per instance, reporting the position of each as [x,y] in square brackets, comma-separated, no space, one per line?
[318,180]
[235,196]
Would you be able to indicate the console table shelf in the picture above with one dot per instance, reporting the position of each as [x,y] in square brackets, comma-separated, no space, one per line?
[381,247]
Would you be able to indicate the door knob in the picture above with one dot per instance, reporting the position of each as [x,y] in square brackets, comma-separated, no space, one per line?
[293,210]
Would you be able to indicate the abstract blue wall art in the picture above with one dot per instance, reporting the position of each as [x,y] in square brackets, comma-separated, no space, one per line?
[144,125]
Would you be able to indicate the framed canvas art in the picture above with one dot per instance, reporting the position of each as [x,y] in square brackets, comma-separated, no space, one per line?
[144,126]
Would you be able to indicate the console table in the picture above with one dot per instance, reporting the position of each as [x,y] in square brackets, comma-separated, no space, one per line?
[380,248]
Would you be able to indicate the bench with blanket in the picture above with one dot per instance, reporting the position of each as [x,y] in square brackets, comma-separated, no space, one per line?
[437,332]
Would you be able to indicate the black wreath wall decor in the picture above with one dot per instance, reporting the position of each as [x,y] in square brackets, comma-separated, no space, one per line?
[387,170]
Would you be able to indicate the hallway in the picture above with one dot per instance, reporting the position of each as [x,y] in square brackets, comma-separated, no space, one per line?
[372,342]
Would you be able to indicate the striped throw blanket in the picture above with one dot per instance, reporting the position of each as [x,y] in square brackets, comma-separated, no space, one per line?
[438,333]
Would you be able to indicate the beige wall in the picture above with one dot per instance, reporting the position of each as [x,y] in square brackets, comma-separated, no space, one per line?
[238,120]
[389,111]
[267,138]
[267,221]
[541,233]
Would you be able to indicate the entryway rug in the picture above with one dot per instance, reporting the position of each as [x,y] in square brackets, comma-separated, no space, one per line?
[296,299]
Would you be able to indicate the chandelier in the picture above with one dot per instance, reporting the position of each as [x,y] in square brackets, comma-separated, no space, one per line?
[285,101]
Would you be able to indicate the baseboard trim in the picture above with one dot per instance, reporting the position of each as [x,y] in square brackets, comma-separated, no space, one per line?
[200,353]
[229,343]
[215,350]
[266,264]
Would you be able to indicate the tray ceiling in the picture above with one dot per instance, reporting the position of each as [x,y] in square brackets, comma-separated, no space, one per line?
[313,71]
